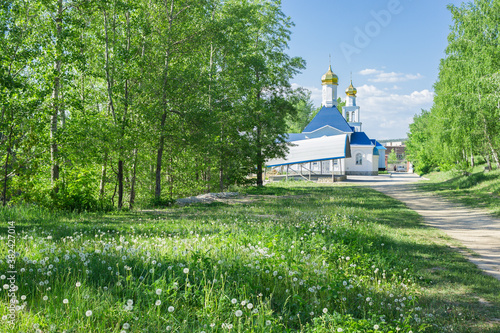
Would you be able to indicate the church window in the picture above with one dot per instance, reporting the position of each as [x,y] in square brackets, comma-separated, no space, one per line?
[359,159]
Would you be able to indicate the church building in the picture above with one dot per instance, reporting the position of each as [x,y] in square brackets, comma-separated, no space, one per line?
[333,143]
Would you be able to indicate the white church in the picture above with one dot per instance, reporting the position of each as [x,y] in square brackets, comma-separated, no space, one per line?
[333,144]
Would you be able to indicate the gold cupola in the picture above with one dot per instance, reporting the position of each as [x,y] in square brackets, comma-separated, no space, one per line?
[351,91]
[330,77]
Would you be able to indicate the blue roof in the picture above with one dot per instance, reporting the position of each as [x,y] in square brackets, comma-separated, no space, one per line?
[375,151]
[360,138]
[296,137]
[378,145]
[328,117]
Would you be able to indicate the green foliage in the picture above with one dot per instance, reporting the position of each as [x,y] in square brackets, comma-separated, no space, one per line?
[75,192]
[392,158]
[154,99]
[305,111]
[419,148]
[463,122]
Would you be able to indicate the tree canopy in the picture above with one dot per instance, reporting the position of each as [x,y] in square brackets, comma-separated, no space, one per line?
[463,122]
[113,102]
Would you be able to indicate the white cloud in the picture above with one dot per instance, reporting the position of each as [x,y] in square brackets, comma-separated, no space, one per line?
[369,71]
[384,77]
[387,115]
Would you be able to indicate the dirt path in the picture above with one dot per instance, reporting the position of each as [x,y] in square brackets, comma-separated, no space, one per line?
[474,228]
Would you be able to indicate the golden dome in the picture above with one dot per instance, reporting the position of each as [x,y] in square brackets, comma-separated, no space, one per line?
[330,77]
[351,91]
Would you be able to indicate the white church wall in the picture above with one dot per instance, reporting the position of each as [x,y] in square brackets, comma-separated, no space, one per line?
[362,161]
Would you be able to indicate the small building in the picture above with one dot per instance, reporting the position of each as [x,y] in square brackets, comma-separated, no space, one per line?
[398,149]
[333,144]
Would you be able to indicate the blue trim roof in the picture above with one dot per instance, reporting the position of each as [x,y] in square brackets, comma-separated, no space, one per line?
[296,137]
[328,117]
[361,139]
[378,145]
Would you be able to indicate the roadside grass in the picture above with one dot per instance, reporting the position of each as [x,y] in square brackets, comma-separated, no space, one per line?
[477,189]
[289,257]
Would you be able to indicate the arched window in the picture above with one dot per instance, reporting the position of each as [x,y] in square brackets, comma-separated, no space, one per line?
[359,159]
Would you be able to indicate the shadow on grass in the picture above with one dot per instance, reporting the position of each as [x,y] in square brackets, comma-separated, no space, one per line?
[478,189]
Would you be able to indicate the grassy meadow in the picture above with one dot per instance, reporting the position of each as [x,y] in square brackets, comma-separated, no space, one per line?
[291,257]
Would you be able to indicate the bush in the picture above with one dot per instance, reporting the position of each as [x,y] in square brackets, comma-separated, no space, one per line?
[160,203]
[75,193]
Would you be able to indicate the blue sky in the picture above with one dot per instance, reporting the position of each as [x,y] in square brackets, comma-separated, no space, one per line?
[392,48]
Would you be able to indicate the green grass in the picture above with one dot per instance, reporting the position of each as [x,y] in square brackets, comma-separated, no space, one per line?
[476,189]
[309,258]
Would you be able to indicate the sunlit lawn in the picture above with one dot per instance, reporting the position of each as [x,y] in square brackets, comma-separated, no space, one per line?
[477,189]
[284,258]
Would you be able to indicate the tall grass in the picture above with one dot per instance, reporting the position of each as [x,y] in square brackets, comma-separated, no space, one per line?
[281,259]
